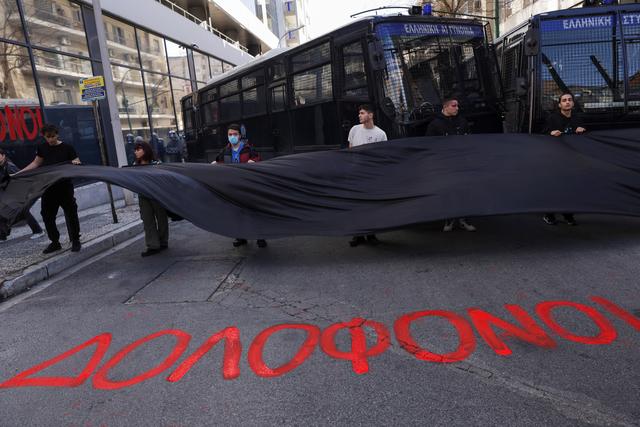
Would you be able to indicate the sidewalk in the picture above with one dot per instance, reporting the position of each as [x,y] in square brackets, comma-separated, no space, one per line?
[22,263]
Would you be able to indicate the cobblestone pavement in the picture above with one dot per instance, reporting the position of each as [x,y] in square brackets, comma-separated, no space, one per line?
[19,251]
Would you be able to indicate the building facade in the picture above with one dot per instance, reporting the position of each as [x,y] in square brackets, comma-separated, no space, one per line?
[288,19]
[156,53]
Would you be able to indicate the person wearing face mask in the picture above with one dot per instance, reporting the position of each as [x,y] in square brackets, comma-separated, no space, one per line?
[238,150]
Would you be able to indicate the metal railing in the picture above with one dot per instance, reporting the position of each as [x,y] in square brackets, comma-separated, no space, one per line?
[204,24]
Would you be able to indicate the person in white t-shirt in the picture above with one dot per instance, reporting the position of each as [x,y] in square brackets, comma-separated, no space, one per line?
[365,133]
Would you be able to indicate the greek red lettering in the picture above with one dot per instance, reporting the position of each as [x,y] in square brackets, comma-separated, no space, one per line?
[359,352]
[13,122]
[23,379]
[30,134]
[39,118]
[255,350]
[100,380]
[3,127]
[607,332]
[618,311]
[230,361]
[466,344]
[531,333]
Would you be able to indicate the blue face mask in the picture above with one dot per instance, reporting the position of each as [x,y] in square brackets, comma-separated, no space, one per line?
[233,139]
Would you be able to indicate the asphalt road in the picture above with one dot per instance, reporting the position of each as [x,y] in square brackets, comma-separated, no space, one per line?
[579,363]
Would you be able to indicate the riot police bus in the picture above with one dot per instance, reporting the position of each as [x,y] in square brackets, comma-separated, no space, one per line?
[591,52]
[306,98]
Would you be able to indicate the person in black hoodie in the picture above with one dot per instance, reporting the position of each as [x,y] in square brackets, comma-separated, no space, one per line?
[563,122]
[449,122]
[7,168]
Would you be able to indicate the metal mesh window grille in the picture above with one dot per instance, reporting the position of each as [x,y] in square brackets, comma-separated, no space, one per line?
[278,98]
[230,108]
[582,55]
[229,88]
[253,101]
[314,56]
[355,76]
[210,113]
[313,85]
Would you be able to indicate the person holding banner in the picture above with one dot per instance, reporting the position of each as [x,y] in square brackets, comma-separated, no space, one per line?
[60,194]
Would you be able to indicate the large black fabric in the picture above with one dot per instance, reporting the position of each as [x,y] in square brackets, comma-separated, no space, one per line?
[380,186]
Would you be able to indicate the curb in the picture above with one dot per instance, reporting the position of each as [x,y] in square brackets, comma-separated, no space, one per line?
[55,265]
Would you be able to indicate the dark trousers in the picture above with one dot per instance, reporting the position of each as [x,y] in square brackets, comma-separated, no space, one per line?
[32,223]
[155,223]
[60,195]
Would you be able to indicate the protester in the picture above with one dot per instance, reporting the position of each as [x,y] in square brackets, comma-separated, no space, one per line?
[238,150]
[365,133]
[129,148]
[60,194]
[563,122]
[8,168]
[174,148]
[153,215]
[450,122]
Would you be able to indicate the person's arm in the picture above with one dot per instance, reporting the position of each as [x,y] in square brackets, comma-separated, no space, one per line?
[580,125]
[76,161]
[36,163]
[550,127]
[220,156]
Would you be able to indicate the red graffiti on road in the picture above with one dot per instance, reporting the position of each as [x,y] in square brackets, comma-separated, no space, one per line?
[526,328]
[14,121]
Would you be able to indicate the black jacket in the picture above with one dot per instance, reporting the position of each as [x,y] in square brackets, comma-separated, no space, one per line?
[443,125]
[558,121]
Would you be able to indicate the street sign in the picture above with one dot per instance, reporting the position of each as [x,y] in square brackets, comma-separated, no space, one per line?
[92,88]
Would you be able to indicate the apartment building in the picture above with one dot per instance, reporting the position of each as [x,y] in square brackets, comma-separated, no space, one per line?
[157,51]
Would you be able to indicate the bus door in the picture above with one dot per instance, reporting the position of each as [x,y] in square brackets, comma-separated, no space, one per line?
[313,110]
[280,134]
[352,84]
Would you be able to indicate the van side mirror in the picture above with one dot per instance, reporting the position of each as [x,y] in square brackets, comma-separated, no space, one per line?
[531,45]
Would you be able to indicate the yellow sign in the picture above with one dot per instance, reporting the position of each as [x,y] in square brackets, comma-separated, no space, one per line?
[96,81]
[92,88]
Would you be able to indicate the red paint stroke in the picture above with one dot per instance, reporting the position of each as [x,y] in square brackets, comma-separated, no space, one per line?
[100,380]
[22,379]
[255,350]
[230,361]
[14,120]
[531,333]
[618,311]
[359,352]
[607,332]
[466,344]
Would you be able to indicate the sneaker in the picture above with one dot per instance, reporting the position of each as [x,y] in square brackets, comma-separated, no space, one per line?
[372,239]
[448,225]
[261,243]
[357,240]
[550,219]
[75,246]
[466,225]
[239,242]
[150,252]
[53,246]
[36,235]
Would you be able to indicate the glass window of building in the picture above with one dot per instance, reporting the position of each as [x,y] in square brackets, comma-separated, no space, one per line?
[16,78]
[10,17]
[216,66]
[226,67]
[201,63]
[160,104]
[152,52]
[56,24]
[132,108]
[178,64]
[181,88]
[121,42]
[58,75]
